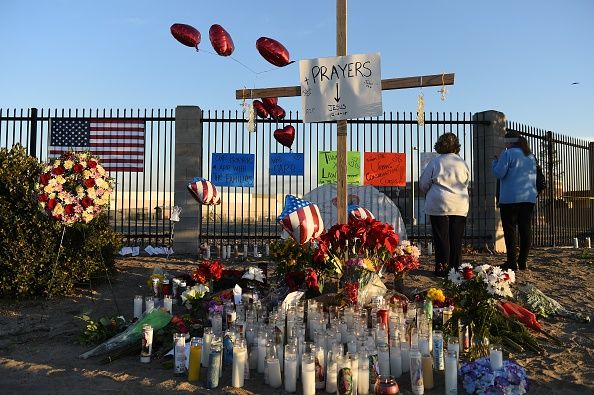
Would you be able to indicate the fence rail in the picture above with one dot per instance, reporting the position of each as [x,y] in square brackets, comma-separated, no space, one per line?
[142,201]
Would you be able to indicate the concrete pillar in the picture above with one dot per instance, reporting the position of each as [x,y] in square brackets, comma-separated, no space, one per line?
[188,164]
[487,141]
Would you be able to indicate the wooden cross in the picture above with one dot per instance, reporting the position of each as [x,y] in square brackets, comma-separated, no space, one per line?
[341,126]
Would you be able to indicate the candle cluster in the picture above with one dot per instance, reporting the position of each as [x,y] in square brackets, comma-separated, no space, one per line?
[306,345]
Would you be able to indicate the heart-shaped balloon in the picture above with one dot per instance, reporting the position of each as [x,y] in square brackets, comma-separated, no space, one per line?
[285,136]
[221,40]
[270,102]
[186,34]
[273,51]
[277,113]
[260,109]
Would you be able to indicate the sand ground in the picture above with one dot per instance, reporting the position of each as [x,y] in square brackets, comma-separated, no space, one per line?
[39,352]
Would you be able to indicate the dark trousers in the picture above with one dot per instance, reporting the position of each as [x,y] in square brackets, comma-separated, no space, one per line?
[448,231]
[517,215]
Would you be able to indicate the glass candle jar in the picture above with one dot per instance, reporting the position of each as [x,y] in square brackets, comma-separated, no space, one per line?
[385,385]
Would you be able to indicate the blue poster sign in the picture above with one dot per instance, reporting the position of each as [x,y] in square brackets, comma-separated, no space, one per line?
[286,164]
[232,170]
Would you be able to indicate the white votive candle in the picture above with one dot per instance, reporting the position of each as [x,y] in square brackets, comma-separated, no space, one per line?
[207,343]
[255,250]
[588,243]
[308,377]
[363,379]
[267,249]
[331,377]
[245,250]
[290,370]
[274,373]
[149,303]
[383,356]
[238,368]
[137,306]
[576,243]
[405,356]
[496,358]
[430,248]
[395,361]
[451,373]
[168,303]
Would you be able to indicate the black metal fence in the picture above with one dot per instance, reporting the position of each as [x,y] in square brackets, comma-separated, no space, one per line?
[141,200]
[249,214]
[565,210]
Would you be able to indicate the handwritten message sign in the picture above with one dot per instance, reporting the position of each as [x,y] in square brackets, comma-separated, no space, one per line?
[327,167]
[286,164]
[384,169]
[341,87]
[232,170]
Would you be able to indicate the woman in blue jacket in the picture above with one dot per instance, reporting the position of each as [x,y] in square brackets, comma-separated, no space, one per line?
[516,171]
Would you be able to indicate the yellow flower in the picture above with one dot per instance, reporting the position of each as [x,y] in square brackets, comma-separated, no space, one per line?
[436,295]
[87,217]
[68,164]
[58,210]
[100,169]
[86,174]
[368,265]
[92,193]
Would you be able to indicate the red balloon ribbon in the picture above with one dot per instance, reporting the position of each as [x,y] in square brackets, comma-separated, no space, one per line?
[260,109]
[221,40]
[186,34]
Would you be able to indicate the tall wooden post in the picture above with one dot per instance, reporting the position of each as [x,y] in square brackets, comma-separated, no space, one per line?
[341,126]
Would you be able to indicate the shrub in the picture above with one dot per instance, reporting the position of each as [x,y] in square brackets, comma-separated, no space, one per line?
[29,239]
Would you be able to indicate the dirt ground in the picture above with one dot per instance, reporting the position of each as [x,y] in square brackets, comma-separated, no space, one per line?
[39,350]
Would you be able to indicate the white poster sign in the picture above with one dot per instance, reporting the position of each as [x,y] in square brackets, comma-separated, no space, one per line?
[342,87]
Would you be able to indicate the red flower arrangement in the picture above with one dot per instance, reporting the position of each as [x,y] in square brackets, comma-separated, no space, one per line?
[366,238]
[406,257]
[208,271]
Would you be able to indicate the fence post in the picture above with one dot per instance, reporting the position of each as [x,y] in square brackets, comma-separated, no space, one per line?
[591,194]
[551,186]
[487,141]
[33,132]
[188,164]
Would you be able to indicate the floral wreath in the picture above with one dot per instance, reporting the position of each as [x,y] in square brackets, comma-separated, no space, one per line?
[74,188]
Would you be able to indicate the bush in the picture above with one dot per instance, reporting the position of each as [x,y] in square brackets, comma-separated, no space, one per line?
[29,239]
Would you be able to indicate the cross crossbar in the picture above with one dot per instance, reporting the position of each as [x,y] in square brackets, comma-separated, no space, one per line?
[388,84]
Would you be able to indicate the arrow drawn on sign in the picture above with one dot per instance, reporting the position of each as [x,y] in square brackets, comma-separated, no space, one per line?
[337,97]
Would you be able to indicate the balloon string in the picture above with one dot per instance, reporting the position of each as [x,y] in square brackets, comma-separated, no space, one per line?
[242,64]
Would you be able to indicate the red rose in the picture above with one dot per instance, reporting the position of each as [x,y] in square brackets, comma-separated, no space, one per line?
[92,163]
[467,273]
[58,170]
[69,209]
[89,183]
[52,203]
[86,202]
[216,270]
[311,278]
[42,198]
[44,178]
[78,168]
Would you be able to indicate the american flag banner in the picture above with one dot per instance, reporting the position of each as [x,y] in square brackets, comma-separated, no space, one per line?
[301,219]
[119,143]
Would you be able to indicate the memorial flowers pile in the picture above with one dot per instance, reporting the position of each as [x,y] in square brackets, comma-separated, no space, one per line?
[356,252]
[208,271]
[405,258]
[478,294]
[478,378]
[74,188]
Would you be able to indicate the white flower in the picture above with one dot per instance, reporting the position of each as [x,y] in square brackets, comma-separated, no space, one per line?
[454,277]
[464,266]
[254,273]
[491,289]
[512,276]
[195,292]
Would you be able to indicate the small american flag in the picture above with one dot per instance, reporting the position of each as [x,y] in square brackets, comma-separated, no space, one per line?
[119,143]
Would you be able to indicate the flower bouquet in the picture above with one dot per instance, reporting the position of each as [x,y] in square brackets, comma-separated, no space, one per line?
[478,378]
[207,272]
[74,188]
[476,292]
[357,253]
[405,258]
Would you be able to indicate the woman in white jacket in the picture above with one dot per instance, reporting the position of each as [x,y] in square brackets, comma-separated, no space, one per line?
[445,181]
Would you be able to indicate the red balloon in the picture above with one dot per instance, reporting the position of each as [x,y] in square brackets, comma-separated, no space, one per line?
[270,102]
[186,34]
[260,109]
[221,40]
[285,136]
[277,113]
[273,51]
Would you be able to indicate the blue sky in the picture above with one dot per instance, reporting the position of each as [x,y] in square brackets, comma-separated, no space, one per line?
[518,57]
